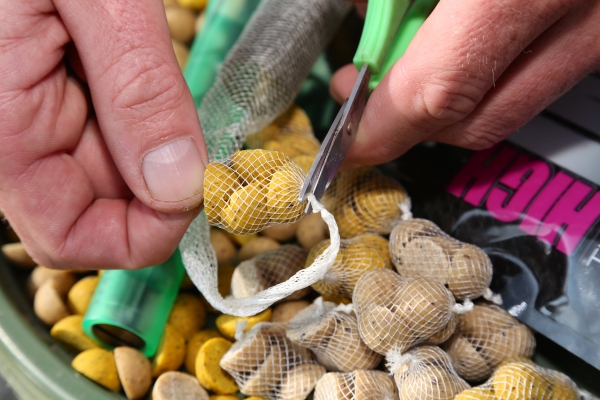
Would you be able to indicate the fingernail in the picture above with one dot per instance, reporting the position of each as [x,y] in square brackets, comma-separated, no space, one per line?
[174,171]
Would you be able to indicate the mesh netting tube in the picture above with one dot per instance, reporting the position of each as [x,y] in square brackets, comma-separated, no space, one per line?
[258,81]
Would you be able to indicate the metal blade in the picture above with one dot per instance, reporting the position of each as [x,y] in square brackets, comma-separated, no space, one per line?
[338,140]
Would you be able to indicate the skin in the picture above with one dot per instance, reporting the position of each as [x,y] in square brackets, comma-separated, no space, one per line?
[476,71]
[89,89]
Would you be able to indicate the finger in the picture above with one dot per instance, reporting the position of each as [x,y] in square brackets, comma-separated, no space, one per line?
[93,156]
[342,82]
[144,108]
[75,62]
[455,58]
[361,7]
[555,61]
[44,192]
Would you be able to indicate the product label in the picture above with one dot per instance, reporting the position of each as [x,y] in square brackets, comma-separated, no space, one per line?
[548,202]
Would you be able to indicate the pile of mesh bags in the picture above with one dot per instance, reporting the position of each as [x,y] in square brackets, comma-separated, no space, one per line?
[399,309]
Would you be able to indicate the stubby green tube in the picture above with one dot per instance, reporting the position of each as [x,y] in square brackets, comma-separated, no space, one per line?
[131,308]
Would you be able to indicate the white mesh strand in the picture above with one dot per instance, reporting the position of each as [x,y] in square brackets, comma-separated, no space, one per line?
[419,248]
[253,190]
[264,362]
[292,134]
[425,373]
[258,81]
[265,69]
[201,263]
[331,332]
[522,379]
[484,338]
[366,201]
[268,269]
[396,313]
[357,385]
[357,256]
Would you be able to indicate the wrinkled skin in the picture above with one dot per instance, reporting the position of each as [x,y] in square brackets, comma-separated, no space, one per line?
[74,180]
[476,71]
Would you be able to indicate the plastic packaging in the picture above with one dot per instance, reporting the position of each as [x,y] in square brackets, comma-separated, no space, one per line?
[533,204]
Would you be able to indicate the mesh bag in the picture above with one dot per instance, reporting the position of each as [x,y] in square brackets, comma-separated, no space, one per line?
[331,332]
[357,385]
[425,373]
[252,190]
[484,338]
[366,201]
[523,379]
[357,256]
[265,69]
[395,313]
[268,269]
[257,82]
[291,133]
[419,248]
[264,362]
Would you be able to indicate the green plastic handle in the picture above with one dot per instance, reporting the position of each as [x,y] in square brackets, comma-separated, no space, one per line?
[388,32]
[381,24]
[415,17]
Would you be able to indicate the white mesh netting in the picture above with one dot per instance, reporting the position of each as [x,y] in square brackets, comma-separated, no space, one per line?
[419,248]
[331,332]
[291,133]
[425,373]
[356,385]
[265,69]
[258,82]
[253,190]
[357,256]
[522,379]
[484,338]
[396,313]
[366,201]
[264,362]
[268,269]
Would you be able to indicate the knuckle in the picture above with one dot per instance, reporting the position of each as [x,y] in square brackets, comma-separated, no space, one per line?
[479,140]
[150,87]
[447,99]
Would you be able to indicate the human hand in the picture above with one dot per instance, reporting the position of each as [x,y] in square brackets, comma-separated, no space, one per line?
[476,71]
[105,171]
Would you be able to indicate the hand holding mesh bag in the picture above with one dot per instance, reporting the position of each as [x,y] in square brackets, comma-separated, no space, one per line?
[418,247]
[484,338]
[331,332]
[258,81]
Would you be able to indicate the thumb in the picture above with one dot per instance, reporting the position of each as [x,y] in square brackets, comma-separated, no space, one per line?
[144,108]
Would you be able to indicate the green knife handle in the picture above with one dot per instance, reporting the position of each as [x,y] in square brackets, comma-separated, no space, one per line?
[381,24]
